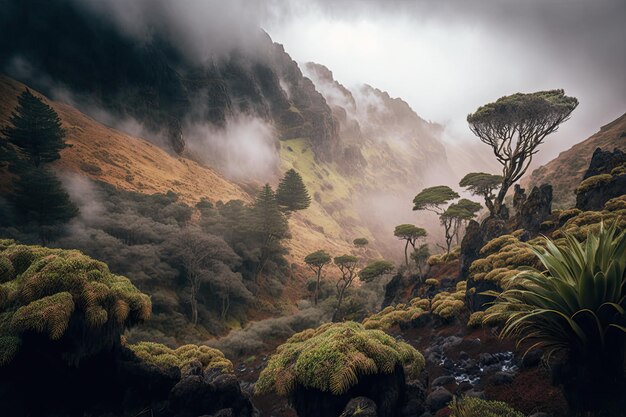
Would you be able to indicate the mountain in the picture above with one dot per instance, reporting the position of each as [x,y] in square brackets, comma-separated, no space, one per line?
[566,171]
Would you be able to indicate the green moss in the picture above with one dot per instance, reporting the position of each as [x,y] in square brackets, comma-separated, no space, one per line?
[401,313]
[49,315]
[476,407]
[9,346]
[165,357]
[476,319]
[594,182]
[7,272]
[450,305]
[332,357]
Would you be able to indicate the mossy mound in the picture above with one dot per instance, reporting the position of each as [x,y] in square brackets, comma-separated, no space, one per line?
[476,407]
[333,357]
[449,305]
[594,182]
[44,291]
[165,357]
[399,314]
[589,221]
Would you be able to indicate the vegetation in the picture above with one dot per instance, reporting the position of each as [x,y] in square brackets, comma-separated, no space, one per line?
[64,295]
[449,305]
[165,357]
[375,270]
[317,261]
[35,130]
[484,185]
[514,126]
[476,407]
[420,257]
[332,357]
[576,306]
[400,314]
[360,242]
[434,198]
[411,234]
[454,216]
[291,193]
[347,264]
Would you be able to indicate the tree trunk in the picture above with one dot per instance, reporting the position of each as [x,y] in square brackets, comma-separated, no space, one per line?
[194,305]
[339,300]
[498,203]
[317,285]
[406,258]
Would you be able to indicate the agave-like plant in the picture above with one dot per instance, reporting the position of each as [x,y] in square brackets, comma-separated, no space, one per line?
[576,308]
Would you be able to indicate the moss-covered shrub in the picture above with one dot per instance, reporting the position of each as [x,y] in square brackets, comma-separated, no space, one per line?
[164,357]
[593,182]
[476,407]
[46,290]
[432,282]
[589,221]
[476,319]
[444,257]
[449,305]
[332,357]
[395,315]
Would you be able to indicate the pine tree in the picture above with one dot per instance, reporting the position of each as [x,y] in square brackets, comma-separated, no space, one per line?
[292,194]
[268,223]
[39,198]
[35,130]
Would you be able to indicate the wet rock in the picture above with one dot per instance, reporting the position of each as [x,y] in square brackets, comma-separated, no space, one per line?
[486,359]
[443,380]
[475,393]
[438,399]
[502,378]
[361,407]
[465,386]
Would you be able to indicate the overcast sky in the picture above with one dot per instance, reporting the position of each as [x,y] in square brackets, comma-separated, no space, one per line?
[448,57]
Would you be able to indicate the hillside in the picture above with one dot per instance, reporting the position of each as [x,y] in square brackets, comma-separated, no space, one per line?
[134,164]
[566,171]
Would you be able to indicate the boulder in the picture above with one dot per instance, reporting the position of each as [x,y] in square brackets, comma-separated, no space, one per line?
[438,399]
[535,209]
[602,162]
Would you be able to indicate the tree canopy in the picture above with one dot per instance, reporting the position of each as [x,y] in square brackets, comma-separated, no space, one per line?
[291,193]
[514,126]
[375,269]
[433,198]
[360,242]
[317,261]
[35,130]
[411,234]
[484,185]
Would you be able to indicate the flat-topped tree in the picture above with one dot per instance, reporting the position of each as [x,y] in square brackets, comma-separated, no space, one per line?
[484,185]
[514,126]
[317,261]
[291,193]
[420,256]
[471,210]
[375,269]
[360,242]
[434,198]
[410,234]
[35,130]
[347,264]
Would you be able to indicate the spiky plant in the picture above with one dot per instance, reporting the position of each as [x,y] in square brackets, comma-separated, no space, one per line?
[576,309]
[164,357]
[333,357]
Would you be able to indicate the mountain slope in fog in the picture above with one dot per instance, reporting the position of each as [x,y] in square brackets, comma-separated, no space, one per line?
[566,171]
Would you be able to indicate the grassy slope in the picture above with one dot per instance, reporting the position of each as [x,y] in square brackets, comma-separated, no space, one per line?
[130,163]
[566,171]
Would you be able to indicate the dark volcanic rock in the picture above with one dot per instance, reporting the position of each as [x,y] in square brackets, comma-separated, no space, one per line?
[602,162]
[535,209]
[438,399]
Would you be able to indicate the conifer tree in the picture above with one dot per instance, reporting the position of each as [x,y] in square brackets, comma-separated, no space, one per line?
[39,198]
[268,223]
[292,194]
[35,130]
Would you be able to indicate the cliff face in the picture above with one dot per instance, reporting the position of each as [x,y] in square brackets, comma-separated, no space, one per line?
[566,171]
[57,45]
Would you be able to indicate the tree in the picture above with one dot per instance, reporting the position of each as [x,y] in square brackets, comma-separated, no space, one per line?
[411,234]
[40,199]
[420,256]
[452,218]
[317,261]
[35,130]
[514,126]
[433,198]
[347,264]
[375,270]
[360,242]
[292,194]
[471,208]
[483,184]
[269,223]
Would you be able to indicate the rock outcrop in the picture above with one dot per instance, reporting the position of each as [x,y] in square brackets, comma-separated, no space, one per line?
[605,179]
[534,209]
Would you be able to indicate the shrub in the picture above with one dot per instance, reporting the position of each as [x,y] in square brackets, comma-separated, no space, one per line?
[449,305]
[400,314]
[577,306]
[56,287]
[332,357]
[593,182]
[476,407]
[432,282]
[164,357]
[476,319]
